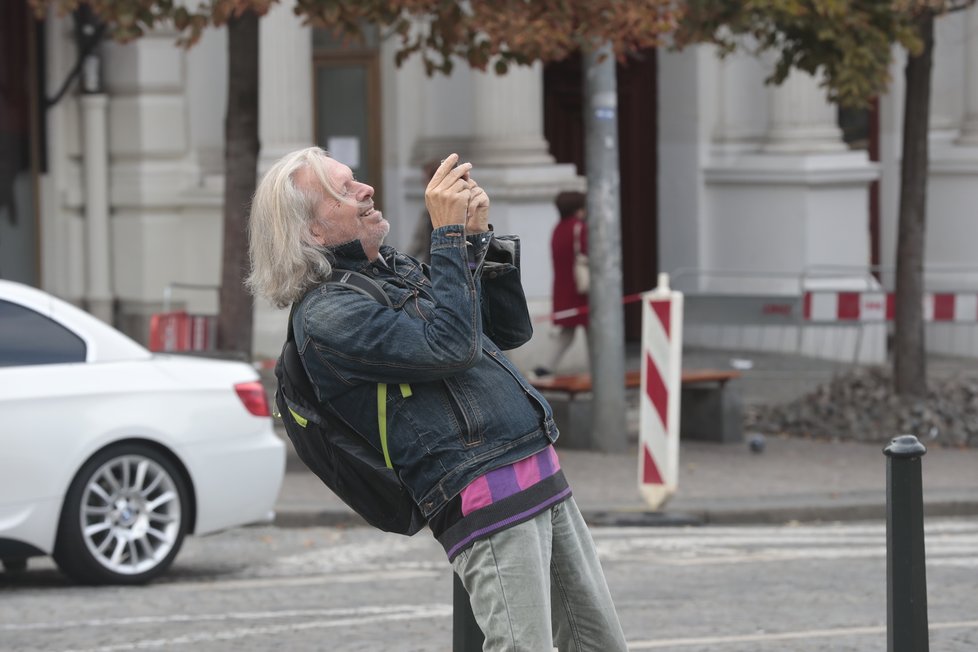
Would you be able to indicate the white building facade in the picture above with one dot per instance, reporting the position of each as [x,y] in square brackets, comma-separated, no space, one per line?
[757,192]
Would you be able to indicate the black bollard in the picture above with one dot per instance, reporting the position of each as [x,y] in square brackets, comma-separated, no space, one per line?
[906,581]
[466,635]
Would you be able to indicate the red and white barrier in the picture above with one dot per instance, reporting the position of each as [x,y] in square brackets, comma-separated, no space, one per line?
[955,307]
[826,306]
[662,351]
[846,306]
[179,331]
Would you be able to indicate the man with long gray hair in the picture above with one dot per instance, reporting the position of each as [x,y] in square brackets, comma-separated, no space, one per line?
[468,436]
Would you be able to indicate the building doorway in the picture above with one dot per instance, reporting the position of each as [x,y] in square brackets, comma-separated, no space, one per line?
[346,92]
[19,122]
[638,160]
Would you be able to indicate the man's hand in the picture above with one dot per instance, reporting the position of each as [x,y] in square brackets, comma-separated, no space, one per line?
[477,217]
[447,195]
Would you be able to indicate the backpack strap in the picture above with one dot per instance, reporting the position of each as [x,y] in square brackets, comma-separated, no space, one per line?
[371,288]
[361,283]
[382,416]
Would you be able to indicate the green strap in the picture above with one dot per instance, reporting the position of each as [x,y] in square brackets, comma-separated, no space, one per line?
[382,416]
[382,421]
[301,420]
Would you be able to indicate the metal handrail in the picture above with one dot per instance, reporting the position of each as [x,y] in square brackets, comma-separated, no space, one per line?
[168,291]
[809,273]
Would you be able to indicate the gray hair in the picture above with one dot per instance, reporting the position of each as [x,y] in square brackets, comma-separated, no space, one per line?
[285,259]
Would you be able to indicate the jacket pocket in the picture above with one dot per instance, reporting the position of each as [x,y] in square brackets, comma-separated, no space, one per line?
[469,433]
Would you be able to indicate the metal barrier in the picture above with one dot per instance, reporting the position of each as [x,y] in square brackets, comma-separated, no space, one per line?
[765,312]
[833,312]
[199,287]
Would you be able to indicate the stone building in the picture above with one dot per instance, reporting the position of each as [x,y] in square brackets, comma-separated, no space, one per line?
[112,196]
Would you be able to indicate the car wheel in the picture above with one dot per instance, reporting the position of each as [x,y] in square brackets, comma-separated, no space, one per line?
[124,517]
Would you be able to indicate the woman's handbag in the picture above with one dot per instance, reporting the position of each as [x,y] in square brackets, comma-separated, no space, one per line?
[582,275]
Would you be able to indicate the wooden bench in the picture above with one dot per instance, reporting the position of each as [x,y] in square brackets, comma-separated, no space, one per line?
[709,411]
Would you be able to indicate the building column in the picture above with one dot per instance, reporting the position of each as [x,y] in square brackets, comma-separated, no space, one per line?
[740,122]
[506,144]
[953,177]
[796,201]
[809,183]
[151,169]
[801,118]
[285,124]
[969,128]
[285,104]
[496,122]
[508,127]
[95,157]
[947,93]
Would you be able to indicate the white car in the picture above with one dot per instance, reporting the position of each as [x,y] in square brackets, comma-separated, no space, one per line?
[111,454]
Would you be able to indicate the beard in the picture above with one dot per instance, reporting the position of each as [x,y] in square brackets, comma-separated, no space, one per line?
[374,234]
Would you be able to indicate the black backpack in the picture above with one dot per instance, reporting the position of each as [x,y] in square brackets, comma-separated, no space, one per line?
[342,458]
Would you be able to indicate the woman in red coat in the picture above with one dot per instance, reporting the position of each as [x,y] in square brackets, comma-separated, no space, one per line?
[571,230]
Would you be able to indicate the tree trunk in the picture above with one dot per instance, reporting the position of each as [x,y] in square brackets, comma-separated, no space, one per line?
[909,360]
[234,323]
[606,330]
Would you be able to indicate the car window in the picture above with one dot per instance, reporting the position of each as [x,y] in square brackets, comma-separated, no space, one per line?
[28,337]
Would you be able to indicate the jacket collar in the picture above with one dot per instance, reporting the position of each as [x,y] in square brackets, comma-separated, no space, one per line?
[351,256]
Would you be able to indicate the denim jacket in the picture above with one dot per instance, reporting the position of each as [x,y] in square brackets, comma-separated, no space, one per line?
[455,406]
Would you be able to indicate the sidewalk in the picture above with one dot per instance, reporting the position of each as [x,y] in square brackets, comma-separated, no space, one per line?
[792,480]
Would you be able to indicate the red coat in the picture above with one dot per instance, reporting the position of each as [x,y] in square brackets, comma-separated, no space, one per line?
[565,294]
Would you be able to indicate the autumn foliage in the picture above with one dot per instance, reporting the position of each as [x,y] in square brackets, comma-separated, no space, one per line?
[503,32]
[478,32]
[849,42]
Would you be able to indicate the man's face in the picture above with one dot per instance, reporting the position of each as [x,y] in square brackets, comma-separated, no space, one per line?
[351,216]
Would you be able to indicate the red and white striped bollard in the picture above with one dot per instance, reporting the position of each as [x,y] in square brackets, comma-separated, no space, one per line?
[662,355]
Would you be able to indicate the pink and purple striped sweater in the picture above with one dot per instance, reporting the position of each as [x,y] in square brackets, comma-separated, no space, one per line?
[501,498]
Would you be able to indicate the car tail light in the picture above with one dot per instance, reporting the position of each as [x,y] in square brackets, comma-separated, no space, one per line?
[254,399]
